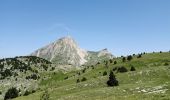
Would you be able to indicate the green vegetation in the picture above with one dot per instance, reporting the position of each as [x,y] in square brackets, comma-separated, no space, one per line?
[11,93]
[145,77]
[112,80]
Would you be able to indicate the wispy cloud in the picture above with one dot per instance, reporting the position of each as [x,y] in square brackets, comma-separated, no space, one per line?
[59,28]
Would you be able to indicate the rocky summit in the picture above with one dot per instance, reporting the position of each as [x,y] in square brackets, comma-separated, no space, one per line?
[65,51]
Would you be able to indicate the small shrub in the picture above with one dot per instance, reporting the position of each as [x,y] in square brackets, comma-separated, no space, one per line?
[115,62]
[53,68]
[84,70]
[106,64]
[78,73]
[66,78]
[166,64]
[139,56]
[104,73]
[78,81]
[98,63]
[92,66]
[129,58]
[132,68]
[45,67]
[111,61]
[33,91]
[11,93]
[115,68]
[36,71]
[83,79]
[122,69]
[123,59]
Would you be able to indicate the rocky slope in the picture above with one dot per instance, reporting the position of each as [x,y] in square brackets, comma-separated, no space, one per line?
[65,51]
[22,73]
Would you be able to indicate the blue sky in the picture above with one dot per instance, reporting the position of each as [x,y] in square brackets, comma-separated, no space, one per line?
[123,26]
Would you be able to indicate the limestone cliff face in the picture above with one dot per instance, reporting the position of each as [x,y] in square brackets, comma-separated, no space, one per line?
[66,51]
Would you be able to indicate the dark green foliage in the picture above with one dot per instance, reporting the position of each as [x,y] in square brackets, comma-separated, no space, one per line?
[83,79]
[106,64]
[45,67]
[78,81]
[1,66]
[104,73]
[129,58]
[123,59]
[166,64]
[115,62]
[98,63]
[33,76]
[132,68]
[112,80]
[33,91]
[66,78]
[78,73]
[0,92]
[160,51]
[122,69]
[53,68]
[139,56]
[35,60]
[27,93]
[111,61]
[115,68]
[11,93]
[36,71]
[92,66]
[5,73]
[84,70]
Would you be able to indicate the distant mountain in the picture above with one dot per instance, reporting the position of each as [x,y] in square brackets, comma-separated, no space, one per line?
[66,51]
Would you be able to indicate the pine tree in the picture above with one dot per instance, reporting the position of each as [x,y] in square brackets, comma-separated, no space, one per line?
[112,80]
[124,59]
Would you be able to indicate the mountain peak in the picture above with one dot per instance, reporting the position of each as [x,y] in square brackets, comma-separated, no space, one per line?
[66,51]
[68,37]
[63,51]
[67,40]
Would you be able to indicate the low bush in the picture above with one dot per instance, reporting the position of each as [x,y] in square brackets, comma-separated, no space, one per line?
[11,93]
[104,73]
[132,68]
[83,79]
[122,69]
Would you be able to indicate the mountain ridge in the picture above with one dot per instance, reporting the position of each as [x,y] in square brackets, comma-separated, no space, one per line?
[66,51]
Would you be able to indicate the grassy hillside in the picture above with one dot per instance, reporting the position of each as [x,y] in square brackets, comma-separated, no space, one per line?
[150,81]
